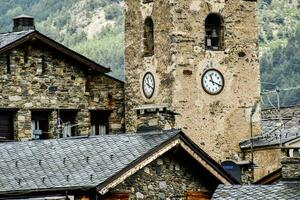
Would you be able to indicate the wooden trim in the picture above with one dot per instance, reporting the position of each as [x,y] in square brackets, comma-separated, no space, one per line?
[68,52]
[191,195]
[102,189]
[130,170]
[204,163]
[59,47]
[270,178]
[116,196]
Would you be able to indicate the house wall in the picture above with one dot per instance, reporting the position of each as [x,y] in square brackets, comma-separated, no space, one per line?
[266,161]
[26,88]
[217,123]
[170,176]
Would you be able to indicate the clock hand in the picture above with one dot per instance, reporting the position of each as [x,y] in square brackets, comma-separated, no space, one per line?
[211,78]
[218,84]
[149,86]
[215,83]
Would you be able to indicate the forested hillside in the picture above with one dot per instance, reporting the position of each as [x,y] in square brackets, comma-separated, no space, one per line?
[280,50]
[95,29]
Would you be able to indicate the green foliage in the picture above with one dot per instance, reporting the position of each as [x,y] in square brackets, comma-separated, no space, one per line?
[109,46]
[280,50]
[279,38]
[112,11]
[56,20]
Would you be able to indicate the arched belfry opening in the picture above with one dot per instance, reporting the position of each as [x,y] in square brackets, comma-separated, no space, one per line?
[214,32]
[148,37]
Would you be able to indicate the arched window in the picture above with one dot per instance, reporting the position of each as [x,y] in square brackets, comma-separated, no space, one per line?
[214,32]
[148,37]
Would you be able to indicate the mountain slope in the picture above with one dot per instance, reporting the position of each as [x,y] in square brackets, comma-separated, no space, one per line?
[92,27]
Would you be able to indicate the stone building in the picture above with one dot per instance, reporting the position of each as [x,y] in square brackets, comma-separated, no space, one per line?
[280,137]
[155,165]
[193,65]
[50,91]
[287,188]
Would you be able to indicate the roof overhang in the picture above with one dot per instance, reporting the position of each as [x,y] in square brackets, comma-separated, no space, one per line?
[179,141]
[35,35]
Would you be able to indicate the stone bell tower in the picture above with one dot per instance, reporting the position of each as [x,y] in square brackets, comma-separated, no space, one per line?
[193,65]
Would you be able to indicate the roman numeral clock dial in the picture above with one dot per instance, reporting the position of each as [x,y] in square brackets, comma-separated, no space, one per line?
[148,85]
[212,82]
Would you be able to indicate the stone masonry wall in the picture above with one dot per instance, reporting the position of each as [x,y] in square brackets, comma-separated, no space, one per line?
[137,64]
[26,88]
[217,123]
[168,177]
[291,168]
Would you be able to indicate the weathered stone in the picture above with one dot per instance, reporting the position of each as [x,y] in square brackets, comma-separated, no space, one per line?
[169,184]
[28,87]
[180,59]
[139,195]
[162,185]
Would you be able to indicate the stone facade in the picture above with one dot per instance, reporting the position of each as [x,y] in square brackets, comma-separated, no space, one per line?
[291,168]
[268,158]
[170,176]
[217,123]
[42,79]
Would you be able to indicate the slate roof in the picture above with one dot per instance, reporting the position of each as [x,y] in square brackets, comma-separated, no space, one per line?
[9,38]
[76,162]
[273,135]
[83,163]
[280,191]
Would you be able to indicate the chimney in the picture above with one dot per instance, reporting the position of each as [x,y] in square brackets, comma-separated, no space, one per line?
[291,168]
[23,23]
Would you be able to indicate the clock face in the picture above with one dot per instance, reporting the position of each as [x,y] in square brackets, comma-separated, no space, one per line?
[148,85]
[212,82]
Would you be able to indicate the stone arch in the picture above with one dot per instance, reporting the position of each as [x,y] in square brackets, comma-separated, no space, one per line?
[148,37]
[214,32]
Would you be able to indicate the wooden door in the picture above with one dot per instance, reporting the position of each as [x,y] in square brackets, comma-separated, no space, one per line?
[197,196]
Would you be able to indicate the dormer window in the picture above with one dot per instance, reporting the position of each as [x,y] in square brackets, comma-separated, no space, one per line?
[214,32]
[148,37]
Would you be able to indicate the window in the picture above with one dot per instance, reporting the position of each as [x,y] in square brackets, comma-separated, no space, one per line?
[6,125]
[99,122]
[66,120]
[294,153]
[40,124]
[148,37]
[214,32]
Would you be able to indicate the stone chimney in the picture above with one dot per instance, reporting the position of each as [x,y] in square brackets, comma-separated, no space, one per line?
[290,168]
[23,23]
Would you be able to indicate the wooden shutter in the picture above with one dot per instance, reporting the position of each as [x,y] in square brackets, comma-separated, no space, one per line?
[197,196]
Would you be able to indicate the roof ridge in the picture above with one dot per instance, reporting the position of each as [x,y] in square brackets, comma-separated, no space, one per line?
[154,133]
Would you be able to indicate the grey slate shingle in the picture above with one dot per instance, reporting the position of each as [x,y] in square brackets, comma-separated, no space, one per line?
[108,155]
[280,191]
[8,38]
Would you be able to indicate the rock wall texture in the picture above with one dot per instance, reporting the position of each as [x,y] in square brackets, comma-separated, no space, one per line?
[217,123]
[291,168]
[43,80]
[169,177]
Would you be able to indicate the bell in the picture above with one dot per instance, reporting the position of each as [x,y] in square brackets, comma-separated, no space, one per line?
[214,33]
